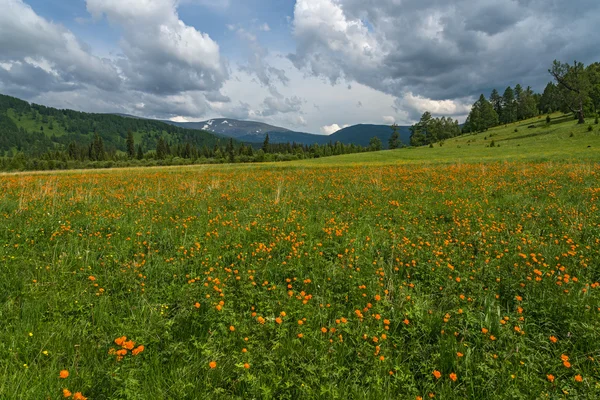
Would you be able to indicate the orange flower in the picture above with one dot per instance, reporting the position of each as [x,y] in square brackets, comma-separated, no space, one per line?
[564,357]
[300,335]
[381,358]
[437,374]
[232,328]
[300,322]
[120,341]
[197,305]
[377,297]
[567,364]
[453,377]
[64,374]
[386,321]
[406,321]
[246,365]
[92,278]
[578,378]
[550,377]
[137,350]
[553,339]
[66,393]
[278,320]
[324,330]
[129,345]
[121,352]
[261,320]
[484,330]
[459,354]
[79,396]
[212,364]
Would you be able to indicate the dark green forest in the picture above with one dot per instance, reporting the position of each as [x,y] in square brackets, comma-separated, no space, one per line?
[575,89]
[36,137]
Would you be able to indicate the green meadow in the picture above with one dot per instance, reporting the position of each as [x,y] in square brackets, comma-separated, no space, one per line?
[466,270]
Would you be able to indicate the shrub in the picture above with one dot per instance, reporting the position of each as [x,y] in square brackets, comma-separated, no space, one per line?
[596,120]
[548,119]
[516,129]
[493,144]
[590,128]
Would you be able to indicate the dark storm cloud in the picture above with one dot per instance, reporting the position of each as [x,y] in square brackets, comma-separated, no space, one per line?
[442,49]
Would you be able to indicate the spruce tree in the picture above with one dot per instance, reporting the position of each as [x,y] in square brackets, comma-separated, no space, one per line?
[130,145]
[394,141]
[266,147]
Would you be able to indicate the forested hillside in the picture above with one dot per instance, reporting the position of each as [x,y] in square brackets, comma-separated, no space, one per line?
[35,137]
[35,129]
[576,90]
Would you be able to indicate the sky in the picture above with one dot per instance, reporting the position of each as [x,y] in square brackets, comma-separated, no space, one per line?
[309,65]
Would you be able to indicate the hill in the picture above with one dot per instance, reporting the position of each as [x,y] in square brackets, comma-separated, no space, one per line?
[563,139]
[255,132]
[361,134]
[36,129]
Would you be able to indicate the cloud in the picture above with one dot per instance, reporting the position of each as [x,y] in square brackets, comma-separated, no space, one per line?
[280,104]
[265,27]
[333,128]
[32,45]
[417,105]
[163,55]
[440,50]
[389,120]
[257,63]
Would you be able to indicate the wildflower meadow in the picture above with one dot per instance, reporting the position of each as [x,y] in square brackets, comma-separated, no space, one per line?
[416,281]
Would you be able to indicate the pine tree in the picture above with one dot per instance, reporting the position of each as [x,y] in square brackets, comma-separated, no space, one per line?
[394,141]
[140,152]
[496,101]
[266,147]
[130,145]
[509,111]
[161,149]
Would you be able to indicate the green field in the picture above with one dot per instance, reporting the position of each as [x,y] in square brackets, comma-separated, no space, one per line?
[452,272]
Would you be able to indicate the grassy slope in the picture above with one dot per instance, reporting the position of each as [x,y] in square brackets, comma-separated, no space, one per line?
[543,143]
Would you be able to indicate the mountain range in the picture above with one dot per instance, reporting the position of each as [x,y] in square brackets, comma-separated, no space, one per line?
[255,132]
[36,129]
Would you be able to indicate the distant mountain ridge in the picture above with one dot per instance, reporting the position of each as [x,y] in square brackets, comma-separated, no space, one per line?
[255,132]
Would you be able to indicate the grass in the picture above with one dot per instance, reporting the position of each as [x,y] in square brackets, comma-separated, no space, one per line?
[401,265]
[543,143]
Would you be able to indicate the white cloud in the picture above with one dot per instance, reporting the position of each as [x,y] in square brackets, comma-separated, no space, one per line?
[30,41]
[389,120]
[417,105]
[179,118]
[163,54]
[333,128]
[265,27]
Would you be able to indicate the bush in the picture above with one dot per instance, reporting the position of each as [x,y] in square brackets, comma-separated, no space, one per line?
[596,120]
[493,144]
[571,135]
[548,119]
[516,129]
[590,128]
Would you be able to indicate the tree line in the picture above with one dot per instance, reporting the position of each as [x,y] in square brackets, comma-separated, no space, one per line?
[575,89]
